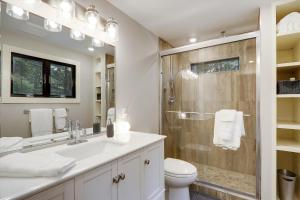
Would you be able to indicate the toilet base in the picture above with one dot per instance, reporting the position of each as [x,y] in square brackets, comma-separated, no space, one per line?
[179,193]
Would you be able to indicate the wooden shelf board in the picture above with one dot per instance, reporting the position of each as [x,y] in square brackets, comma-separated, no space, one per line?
[288,125]
[288,95]
[290,65]
[288,145]
[287,41]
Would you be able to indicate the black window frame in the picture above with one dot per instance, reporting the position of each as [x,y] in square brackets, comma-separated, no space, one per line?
[46,76]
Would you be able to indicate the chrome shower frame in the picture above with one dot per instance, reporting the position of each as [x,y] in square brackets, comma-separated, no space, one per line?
[215,42]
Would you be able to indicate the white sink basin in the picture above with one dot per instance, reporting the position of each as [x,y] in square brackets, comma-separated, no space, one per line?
[88,149]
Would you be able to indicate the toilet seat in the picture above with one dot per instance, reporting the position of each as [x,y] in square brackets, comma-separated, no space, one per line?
[179,168]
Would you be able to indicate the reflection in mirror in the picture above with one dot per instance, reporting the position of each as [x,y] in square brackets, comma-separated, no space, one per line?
[48,78]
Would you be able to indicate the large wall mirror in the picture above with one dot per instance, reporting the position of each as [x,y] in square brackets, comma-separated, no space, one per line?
[42,71]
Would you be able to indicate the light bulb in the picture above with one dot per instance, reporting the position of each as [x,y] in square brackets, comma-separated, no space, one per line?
[92,16]
[52,26]
[97,43]
[67,8]
[77,35]
[17,12]
[112,29]
[91,49]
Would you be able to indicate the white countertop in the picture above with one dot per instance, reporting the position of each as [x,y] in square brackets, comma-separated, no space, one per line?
[18,188]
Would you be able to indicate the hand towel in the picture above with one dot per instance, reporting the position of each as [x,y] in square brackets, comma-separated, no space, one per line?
[224,124]
[41,122]
[60,115]
[33,165]
[10,144]
[238,130]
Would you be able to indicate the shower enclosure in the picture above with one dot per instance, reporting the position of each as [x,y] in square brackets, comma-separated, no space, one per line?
[194,85]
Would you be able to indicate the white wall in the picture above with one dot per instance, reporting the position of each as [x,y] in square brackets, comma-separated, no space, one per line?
[268,102]
[14,122]
[137,71]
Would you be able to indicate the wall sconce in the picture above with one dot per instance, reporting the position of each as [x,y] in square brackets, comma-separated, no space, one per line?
[17,12]
[92,17]
[67,8]
[97,43]
[112,29]
[77,35]
[52,26]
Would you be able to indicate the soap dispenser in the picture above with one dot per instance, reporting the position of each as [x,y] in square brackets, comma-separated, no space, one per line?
[110,129]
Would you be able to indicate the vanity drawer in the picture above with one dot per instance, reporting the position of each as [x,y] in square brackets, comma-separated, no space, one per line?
[63,191]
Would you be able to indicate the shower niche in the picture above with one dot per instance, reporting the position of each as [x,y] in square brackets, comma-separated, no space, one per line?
[201,82]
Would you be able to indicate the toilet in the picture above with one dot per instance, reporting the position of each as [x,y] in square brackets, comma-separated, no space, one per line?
[179,175]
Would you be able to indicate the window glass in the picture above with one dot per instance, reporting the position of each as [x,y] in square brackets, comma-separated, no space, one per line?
[224,65]
[27,76]
[61,80]
[39,77]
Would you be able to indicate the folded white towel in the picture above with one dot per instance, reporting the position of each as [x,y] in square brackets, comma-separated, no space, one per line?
[60,115]
[10,144]
[41,122]
[289,24]
[238,130]
[32,165]
[224,124]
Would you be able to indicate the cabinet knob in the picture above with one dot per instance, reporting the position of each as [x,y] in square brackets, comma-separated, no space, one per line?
[147,162]
[116,179]
[122,176]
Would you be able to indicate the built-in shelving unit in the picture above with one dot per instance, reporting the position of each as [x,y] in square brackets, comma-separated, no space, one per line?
[98,84]
[288,105]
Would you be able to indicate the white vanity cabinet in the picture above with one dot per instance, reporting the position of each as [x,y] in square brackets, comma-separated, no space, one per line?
[136,176]
[64,191]
[97,184]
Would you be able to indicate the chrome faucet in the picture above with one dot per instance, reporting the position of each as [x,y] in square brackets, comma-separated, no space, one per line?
[74,132]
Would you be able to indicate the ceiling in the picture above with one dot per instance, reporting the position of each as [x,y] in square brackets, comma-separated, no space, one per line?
[177,20]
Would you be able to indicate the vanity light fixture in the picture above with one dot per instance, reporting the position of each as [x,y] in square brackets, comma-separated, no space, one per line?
[92,16]
[52,26]
[97,43]
[77,35]
[112,29]
[67,8]
[17,12]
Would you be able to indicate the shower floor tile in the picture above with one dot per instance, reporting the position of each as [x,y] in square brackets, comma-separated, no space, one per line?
[227,179]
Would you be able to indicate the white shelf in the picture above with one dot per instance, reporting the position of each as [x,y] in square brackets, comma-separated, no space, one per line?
[288,96]
[99,101]
[288,145]
[290,65]
[287,41]
[288,125]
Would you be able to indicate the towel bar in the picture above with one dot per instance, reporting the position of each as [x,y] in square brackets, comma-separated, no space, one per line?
[197,113]
[26,112]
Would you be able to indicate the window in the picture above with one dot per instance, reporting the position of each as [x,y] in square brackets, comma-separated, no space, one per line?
[224,65]
[37,77]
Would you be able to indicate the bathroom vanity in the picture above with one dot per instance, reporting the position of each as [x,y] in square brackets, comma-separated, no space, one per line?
[105,169]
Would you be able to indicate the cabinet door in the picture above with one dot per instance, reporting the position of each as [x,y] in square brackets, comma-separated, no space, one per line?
[63,191]
[130,187]
[153,176]
[97,184]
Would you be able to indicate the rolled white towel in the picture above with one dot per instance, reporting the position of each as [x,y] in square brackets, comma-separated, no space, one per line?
[10,144]
[32,165]
[60,118]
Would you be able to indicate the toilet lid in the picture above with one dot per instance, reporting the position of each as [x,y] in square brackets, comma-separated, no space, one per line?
[179,167]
